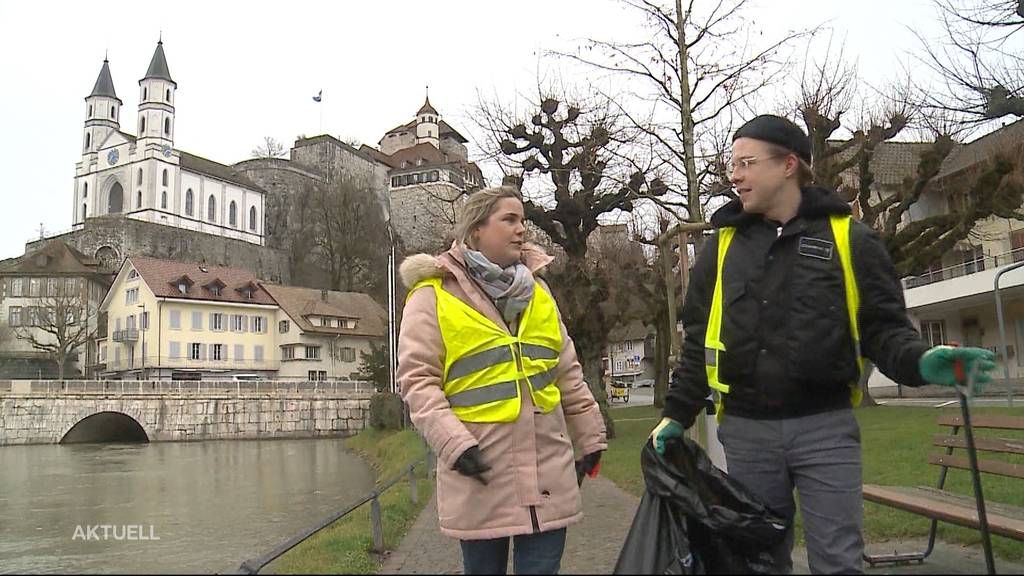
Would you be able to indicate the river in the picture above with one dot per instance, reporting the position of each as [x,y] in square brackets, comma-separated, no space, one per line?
[180,507]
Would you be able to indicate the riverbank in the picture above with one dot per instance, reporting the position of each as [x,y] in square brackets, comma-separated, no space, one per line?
[344,547]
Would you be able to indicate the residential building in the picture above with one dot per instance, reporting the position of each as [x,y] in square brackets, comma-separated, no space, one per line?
[51,290]
[173,320]
[322,334]
[630,353]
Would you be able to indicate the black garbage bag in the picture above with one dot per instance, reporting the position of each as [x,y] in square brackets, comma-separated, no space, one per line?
[695,519]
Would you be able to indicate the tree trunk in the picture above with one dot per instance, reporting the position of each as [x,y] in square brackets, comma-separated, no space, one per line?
[61,360]
[661,362]
[592,373]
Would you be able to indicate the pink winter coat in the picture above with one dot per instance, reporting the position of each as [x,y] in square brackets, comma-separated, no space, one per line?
[532,477]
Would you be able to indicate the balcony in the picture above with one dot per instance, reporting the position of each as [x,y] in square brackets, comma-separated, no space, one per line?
[129,335]
[971,278]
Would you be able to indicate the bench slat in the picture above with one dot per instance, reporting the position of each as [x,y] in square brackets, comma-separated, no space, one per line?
[1004,445]
[990,466]
[984,421]
[933,504]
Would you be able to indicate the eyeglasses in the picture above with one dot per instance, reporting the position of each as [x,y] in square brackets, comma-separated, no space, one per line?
[744,163]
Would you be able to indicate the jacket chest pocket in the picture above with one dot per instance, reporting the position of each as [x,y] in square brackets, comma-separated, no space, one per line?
[819,340]
[740,317]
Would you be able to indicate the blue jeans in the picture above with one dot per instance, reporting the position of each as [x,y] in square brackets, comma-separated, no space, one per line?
[539,553]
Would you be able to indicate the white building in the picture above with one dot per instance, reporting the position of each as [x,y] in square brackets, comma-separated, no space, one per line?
[630,353]
[144,177]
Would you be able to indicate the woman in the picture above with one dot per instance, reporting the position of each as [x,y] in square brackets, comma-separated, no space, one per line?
[492,380]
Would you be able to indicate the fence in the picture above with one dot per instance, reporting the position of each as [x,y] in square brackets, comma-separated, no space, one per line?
[969,267]
[254,565]
[183,387]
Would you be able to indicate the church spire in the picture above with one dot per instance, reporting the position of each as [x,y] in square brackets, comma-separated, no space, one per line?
[158,65]
[104,83]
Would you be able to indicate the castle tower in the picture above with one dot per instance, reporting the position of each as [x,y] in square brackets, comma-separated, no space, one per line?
[156,105]
[427,125]
[102,111]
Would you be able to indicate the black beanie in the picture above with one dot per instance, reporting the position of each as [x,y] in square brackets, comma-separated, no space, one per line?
[777,130]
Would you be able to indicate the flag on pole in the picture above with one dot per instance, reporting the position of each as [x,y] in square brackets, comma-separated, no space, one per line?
[319,96]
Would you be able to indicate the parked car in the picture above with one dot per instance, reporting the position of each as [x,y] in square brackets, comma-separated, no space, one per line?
[643,383]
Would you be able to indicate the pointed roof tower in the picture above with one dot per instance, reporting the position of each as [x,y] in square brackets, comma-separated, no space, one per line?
[426,108]
[104,83]
[158,65]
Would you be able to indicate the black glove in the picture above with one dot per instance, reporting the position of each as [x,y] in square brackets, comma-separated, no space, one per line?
[471,463]
[586,465]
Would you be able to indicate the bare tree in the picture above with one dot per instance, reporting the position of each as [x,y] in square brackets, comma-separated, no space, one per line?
[59,324]
[686,78]
[270,148]
[979,58]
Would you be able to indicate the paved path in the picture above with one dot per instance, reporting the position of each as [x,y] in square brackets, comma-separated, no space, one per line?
[608,513]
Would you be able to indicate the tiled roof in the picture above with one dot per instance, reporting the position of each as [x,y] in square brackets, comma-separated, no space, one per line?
[427,152]
[299,303]
[104,83]
[426,108]
[158,65]
[1002,139]
[635,330]
[201,165]
[161,277]
[443,128]
[54,257]
[891,162]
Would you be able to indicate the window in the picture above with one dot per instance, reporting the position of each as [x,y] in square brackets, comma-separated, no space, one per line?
[145,93]
[85,190]
[312,352]
[17,287]
[288,353]
[131,296]
[188,202]
[239,352]
[259,324]
[174,350]
[238,322]
[51,286]
[144,320]
[283,326]
[90,110]
[138,199]
[233,214]
[142,124]
[252,218]
[88,140]
[34,287]
[215,290]
[163,177]
[103,353]
[139,179]
[216,321]
[217,352]
[163,200]
[211,209]
[14,316]
[85,210]
[175,319]
[133,274]
[934,332]
[347,354]
[167,126]
[317,375]
[70,286]
[113,113]
[168,98]
[195,351]
[197,320]
[182,287]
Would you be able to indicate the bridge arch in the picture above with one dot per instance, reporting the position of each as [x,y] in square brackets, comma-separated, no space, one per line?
[105,426]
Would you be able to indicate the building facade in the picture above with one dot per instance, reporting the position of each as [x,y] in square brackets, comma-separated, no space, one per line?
[170,320]
[51,293]
[630,354]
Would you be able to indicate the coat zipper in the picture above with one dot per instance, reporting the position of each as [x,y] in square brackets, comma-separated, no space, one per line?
[533,519]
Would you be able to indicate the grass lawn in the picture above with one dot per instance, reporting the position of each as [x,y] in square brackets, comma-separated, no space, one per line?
[895,445]
[344,547]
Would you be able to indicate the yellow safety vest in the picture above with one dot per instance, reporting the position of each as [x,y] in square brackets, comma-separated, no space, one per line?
[712,338]
[483,364]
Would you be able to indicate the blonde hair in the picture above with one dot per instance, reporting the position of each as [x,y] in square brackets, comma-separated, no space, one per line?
[804,171]
[478,208]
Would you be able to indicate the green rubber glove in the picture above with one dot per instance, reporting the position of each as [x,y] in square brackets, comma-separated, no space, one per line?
[667,428]
[937,365]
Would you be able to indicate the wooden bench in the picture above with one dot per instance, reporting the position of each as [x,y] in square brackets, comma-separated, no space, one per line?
[941,505]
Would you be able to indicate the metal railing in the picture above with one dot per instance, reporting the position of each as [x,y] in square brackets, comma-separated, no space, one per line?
[128,335]
[254,565]
[151,362]
[184,387]
[964,269]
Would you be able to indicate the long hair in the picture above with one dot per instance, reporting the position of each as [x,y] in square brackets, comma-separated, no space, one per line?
[478,208]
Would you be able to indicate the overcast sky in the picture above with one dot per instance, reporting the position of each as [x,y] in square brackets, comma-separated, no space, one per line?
[246,70]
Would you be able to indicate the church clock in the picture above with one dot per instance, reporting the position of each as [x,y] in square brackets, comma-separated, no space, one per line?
[112,157]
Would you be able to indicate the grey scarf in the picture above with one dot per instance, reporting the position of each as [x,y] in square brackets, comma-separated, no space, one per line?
[509,288]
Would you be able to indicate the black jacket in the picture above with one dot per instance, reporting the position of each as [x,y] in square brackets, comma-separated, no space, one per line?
[785,326]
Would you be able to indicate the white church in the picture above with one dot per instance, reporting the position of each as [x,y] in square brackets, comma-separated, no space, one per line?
[144,177]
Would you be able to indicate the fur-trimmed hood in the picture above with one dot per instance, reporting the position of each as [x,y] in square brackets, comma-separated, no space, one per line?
[419,267]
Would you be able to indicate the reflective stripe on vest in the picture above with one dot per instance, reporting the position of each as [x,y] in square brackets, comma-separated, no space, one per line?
[713,336]
[484,364]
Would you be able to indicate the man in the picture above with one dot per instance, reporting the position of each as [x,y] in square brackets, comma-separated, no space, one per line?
[783,301]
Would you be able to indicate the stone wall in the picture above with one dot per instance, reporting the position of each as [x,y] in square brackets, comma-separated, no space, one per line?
[42,419]
[113,238]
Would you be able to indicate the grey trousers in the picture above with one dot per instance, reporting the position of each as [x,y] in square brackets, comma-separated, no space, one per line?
[819,455]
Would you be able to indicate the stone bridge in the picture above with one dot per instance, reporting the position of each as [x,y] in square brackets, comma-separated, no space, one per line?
[76,411]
